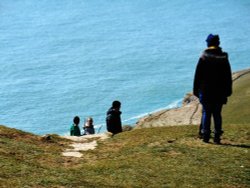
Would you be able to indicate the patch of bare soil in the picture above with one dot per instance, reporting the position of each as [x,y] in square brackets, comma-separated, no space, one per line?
[83,143]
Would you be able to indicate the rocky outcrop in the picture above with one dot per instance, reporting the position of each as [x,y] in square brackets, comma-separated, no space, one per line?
[188,114]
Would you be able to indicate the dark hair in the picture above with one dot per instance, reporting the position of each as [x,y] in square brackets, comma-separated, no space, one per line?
[76,120]
[116,104]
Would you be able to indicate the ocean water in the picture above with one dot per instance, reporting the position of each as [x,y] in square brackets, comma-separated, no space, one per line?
[64,58]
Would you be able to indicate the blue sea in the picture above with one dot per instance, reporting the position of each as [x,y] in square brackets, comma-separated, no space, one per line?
[61,58]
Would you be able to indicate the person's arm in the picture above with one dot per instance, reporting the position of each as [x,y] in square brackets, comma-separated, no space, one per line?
[229,82]
[197,79]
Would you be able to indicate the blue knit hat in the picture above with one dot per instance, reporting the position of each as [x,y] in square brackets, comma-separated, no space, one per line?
[213,40]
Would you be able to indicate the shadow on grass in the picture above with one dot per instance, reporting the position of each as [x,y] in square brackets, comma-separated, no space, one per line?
[236,145]
[229,144]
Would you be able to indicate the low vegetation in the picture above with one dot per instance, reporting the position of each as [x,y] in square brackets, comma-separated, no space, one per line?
[238,108]
[151,157]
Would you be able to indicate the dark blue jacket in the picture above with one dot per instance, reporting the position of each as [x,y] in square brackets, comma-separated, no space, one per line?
[213,77]
[113,121]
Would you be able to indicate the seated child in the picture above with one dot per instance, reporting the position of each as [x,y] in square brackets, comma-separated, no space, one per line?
[74,129]
[89,127]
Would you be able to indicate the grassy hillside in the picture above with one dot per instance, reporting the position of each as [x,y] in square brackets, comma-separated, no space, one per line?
[152,157]
[238,108]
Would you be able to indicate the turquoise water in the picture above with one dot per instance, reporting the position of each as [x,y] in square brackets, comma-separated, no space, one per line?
[64,58]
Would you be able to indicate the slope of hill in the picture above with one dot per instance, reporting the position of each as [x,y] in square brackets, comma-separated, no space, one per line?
[238,108]
[153,157]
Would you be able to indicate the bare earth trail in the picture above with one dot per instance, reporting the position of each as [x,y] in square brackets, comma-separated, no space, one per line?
[83,143]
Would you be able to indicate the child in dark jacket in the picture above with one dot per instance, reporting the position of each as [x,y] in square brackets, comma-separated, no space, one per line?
[75,130]
[89,127]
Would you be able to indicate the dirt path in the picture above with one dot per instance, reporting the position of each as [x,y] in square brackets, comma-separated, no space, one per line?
[83,143]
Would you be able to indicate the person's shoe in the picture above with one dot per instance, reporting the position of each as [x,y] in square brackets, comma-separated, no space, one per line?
[206,140]
[217,137]
[200,135]
[206,137]
[217,140]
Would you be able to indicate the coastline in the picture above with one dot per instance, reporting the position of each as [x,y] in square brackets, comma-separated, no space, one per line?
[188,114]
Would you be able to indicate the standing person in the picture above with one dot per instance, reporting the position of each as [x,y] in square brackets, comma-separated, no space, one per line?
[212,85]
[88,127]
[74,129]
[113,119]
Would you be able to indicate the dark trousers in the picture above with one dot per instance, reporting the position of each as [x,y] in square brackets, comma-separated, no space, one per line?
[208,111]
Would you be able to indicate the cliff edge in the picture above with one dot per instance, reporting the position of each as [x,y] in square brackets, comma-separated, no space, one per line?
[188,114]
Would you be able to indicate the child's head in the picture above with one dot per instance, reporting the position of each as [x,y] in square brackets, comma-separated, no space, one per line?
[76,120]
[89,121]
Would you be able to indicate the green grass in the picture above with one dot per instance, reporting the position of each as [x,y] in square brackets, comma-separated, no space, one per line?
[174,157]
[152,157]
[155,157]
[238,108]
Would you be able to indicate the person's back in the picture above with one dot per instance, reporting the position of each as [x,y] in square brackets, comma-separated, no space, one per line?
[213,77]
[74,129]
[113,119]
